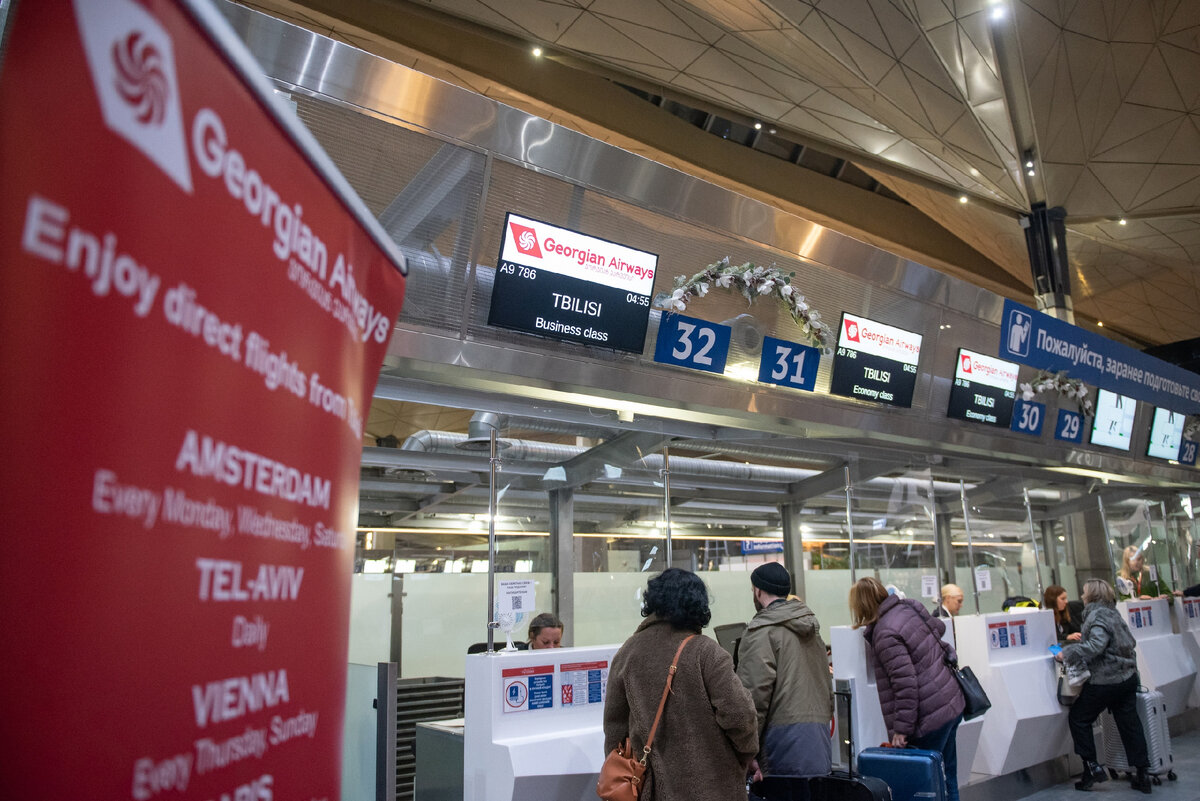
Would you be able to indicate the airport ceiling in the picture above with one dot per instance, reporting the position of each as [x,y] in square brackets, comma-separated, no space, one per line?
[933,98]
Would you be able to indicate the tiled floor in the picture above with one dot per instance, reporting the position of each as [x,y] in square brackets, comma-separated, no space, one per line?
[1186,750]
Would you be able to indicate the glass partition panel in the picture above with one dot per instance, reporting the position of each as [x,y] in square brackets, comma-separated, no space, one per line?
[994,553]
[1136,534]
[894,537]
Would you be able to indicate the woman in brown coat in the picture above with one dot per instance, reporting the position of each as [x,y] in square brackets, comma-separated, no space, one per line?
[709,730]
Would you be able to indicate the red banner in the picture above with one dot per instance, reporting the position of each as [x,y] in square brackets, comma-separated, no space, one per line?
[193,314]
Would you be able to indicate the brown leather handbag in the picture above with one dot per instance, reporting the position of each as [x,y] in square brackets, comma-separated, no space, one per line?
[621,775]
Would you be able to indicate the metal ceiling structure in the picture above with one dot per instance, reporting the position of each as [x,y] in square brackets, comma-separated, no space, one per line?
[427,479]
[934,98]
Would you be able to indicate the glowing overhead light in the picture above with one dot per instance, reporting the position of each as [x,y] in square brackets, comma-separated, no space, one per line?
[758,126]
[1029,163]
[1030,173]
[998,13]
[770,130]
[962,198]
[1122,221]
[1099,323]
[537,52]
[974,173]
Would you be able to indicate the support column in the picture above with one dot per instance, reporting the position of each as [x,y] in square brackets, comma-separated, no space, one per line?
[793,545]
[1046,241]
[943,541]
[562,559]
[1050,551]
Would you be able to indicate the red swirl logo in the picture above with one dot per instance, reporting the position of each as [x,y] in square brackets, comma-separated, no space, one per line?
[140,79]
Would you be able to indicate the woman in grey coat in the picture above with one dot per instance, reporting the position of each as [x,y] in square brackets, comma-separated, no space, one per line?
[1107,649]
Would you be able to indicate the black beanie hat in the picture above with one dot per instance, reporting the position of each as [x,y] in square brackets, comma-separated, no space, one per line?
[772,577]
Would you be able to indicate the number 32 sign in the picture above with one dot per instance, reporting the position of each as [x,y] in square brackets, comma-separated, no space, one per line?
[688,342]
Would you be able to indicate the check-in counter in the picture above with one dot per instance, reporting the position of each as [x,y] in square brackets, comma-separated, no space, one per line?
[850,662]
[1164,661]
[1009,652]
[534,723]
[1187,624]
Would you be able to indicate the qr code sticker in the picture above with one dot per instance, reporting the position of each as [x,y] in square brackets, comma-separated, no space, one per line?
[516,603]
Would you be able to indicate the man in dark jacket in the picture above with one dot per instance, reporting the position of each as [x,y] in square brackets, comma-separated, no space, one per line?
[782,662]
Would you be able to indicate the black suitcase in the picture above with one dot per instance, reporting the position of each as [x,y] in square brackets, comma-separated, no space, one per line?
[842,784]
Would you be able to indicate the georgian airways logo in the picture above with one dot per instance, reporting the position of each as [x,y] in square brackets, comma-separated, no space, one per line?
[852,330]
[140,79]
[526,240]
[132,64]
[966,363]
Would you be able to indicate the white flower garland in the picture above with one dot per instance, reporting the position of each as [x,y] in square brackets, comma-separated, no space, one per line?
[752,281]
[1072,388]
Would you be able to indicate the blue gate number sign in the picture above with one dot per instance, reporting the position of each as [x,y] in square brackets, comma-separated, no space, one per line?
[689,342]
[1069,427]
[1028,417]
[788,364]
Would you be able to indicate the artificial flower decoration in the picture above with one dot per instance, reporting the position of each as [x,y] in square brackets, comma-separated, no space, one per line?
[1191,428]
[752,281]
[1071,388]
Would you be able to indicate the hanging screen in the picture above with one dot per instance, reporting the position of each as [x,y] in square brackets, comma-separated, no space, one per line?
[875,362]
[1112,426]
[984,389]
[1166,434]
[562,284]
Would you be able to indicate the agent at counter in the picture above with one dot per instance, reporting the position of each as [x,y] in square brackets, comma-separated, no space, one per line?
[950,603]
[1068,615]
[545,631]
[1133,582]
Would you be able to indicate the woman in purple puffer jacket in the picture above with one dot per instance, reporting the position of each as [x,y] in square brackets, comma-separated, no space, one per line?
[922,705]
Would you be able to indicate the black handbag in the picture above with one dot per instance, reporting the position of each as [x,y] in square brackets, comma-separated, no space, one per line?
[976,699]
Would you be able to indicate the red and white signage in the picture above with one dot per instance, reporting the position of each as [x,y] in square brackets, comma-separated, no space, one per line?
[547,247]
[982,369]
[877,339]
[195,309]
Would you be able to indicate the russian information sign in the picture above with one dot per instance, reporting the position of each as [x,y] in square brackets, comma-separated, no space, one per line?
[195,310]
[1039,340]
[566,285]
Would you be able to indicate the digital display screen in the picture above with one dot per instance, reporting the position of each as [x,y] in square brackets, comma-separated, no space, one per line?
[1112,426]
[875,362]
[561,284]
[984,389]
[1166,434]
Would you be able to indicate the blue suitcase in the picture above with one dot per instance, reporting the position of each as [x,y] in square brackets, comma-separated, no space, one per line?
[912,773]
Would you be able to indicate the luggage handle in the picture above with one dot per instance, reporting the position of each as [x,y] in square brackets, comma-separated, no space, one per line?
[849,696]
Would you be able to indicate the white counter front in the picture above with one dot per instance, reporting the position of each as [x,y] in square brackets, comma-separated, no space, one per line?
[1164,660]
[534,723]
[1009,652]
[1187,623]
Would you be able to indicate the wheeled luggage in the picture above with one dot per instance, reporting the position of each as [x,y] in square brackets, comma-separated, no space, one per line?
[1152,712]
[842,785]
[914,774]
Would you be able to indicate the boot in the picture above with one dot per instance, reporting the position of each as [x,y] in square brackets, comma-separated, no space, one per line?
[1141,781]
[1092,774]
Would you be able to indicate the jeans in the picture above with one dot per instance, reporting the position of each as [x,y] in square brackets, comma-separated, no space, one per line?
[945,740]
[1121,700]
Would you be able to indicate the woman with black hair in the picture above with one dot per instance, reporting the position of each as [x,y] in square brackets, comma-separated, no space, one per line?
[708,733]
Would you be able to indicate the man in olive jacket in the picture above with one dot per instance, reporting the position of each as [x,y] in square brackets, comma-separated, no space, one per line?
[782,662]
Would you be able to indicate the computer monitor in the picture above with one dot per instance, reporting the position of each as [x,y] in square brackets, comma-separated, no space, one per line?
[728,635]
